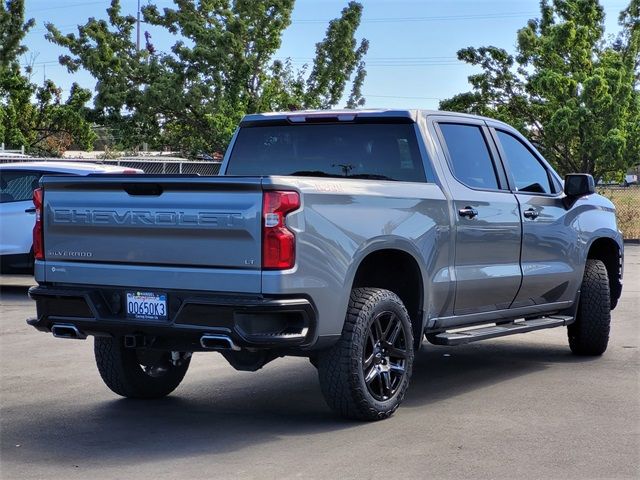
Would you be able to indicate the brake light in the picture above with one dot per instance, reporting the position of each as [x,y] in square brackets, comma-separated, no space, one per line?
[278,242]
[38,240]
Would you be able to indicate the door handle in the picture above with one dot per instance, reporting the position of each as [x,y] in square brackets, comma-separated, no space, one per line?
[468,212]
[30,210]
[531,213]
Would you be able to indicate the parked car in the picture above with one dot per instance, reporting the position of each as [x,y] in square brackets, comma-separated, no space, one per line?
[17,213]
[630,179]
[346,237]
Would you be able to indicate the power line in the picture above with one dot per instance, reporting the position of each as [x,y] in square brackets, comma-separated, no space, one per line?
[440,58]
[69,5]
[399,96]
[404,59]
[386,61]
[369,62]
[51,62]
[42,30]
[481,16]
[484,16]
[399,64]
[442,64]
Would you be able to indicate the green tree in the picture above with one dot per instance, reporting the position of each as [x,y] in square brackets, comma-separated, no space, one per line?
[31,115]
[13,28]
[221,67]
[339,59]
[131,84]
[568,88]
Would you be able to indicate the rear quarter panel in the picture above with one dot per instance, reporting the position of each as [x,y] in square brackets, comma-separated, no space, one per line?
[341,221]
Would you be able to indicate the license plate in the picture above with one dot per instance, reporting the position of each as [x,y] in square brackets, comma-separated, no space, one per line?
[147,305]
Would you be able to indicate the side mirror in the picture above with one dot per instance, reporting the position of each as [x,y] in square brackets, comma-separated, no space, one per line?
[578,185]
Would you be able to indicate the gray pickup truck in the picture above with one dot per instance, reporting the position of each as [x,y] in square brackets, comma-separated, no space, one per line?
[342,236]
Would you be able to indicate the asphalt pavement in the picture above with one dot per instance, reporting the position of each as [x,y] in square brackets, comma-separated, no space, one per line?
[511,408]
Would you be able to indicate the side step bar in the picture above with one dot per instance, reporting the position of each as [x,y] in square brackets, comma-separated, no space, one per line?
[460,337]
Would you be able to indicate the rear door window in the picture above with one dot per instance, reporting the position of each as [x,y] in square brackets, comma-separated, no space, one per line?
[369,151]
[469,155]
[16,185]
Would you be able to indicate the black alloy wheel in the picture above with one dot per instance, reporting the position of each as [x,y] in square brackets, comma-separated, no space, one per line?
[385,356]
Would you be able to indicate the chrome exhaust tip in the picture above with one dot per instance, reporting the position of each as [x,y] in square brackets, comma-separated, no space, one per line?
[218,342]
[60,330]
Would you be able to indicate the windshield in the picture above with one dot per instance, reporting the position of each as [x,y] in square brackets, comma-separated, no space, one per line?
[374,151]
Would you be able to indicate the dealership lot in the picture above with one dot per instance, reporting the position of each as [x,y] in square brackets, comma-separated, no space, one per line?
[517,407]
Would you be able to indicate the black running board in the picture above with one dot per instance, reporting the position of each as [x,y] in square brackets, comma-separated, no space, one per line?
[460,337]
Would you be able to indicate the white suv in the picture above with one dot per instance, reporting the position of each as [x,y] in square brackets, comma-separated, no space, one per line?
[17,213]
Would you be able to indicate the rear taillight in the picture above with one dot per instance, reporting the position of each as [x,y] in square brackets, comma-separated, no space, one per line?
[278,242]
[38,240]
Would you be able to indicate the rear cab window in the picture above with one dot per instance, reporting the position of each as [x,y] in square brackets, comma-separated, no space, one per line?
[18,185]
[378,151]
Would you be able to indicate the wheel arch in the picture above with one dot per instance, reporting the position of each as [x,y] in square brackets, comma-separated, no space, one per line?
[609,251]
[398,270]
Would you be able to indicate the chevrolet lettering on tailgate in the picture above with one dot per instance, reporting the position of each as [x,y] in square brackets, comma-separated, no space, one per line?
[141,217]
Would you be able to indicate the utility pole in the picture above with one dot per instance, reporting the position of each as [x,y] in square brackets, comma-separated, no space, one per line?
[138,30]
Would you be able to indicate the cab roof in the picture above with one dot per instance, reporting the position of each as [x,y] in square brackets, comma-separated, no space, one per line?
[346,115]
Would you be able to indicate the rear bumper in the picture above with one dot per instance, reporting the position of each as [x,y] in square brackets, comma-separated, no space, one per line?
[250,321]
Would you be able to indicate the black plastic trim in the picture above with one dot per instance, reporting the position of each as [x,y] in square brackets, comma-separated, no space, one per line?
[191,315]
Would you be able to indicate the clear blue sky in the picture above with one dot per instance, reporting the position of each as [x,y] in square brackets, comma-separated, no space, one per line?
[413,43]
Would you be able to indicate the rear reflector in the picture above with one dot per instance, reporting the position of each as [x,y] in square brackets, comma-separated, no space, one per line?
[278,242]
[38,240]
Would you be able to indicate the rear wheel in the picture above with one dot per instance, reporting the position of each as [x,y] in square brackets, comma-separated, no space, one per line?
[589,334]
[139,372]
[366,373]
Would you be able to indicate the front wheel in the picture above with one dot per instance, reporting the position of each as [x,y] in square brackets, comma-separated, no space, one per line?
[365,375]
[139,372]
[589,334]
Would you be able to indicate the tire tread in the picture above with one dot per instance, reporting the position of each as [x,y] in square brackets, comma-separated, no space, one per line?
[338,366]
[589,334]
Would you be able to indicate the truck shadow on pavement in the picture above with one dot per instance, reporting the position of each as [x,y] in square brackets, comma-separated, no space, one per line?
[244,410]
[442,373]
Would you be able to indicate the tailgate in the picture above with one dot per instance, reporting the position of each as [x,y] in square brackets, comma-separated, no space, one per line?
[154,221]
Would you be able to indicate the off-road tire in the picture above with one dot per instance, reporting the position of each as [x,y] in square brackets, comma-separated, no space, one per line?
[122,372]
[589,334]
[341,368]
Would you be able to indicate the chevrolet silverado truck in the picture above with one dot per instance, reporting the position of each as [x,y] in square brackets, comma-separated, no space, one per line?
[343,236]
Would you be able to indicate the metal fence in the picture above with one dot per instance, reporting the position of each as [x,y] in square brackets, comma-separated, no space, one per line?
[627,202]
[168,166]
[153,165]
[3,150]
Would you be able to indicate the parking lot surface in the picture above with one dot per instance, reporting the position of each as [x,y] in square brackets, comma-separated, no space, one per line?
[515,407]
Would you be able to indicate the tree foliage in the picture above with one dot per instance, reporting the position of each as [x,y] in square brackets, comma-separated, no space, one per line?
[220,67]
[13,28]
[35,116]
[568,88]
